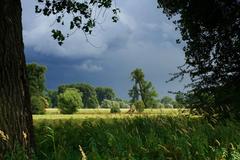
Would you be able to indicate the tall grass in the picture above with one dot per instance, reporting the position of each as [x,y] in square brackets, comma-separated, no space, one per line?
[145,138]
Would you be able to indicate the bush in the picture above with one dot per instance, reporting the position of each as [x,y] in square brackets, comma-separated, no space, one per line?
[160,105]
[69,101]
[168,105]
[115,108]
[123,104]
[39,104]
[177,105]
[106,104]
[114,105]
[166,100]
[139,105]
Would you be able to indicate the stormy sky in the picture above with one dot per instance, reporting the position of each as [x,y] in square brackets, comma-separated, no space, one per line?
[143,38]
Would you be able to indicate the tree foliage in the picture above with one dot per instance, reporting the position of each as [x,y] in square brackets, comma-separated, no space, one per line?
[139,106]
[134,93]
[181,100]
[36,78]
[39,104]
[150,94]
[107,103]
[210,31]
[166,100]
[52,95]
[115,107]
[104,93]
[89,96]
[142,88]
[84,14]
[123,104]
[69,101]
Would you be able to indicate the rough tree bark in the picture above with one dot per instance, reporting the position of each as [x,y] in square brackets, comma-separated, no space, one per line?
[16,126]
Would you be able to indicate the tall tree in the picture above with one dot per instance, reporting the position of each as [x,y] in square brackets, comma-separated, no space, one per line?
[15,108]
[210,31]
[134,93]
[137,76]
[52,94]
[150,94]
[142,88]
[36,78]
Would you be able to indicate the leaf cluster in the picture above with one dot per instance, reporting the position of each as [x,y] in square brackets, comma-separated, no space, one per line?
[84,14]
[210,32]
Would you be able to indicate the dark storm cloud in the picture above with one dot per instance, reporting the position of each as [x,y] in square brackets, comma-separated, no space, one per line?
[143,38]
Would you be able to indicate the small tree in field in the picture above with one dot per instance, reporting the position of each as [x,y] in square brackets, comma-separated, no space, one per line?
[69,101]
[115,107]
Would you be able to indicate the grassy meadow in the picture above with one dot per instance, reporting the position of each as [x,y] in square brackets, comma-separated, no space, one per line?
[156,134]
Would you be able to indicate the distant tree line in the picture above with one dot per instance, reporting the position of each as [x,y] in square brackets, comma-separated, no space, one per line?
[69,97]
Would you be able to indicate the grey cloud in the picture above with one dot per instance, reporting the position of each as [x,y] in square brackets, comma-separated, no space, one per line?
[89,66]
[143,38]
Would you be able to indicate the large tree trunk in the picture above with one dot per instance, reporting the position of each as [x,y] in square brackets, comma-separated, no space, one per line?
[142,95]
[16,127]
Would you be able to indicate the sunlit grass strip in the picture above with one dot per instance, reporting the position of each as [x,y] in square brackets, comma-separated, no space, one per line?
[105,111]
[53,114]
[85,116]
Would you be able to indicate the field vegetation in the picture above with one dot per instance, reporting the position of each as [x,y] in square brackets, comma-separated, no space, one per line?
[97,134]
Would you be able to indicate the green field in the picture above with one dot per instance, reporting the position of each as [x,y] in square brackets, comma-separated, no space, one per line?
[156,134]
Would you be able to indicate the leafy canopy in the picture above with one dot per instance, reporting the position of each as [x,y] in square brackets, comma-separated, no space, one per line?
[36,78]
[104,93]
[84,14]
[210,32]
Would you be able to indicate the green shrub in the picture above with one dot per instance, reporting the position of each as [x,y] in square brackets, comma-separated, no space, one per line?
[106,103]
[177,105]
[115,107]
[139,105]
[160,105]
[123,104]
[69,101]
[168,106]
[166,100]
[39,104]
